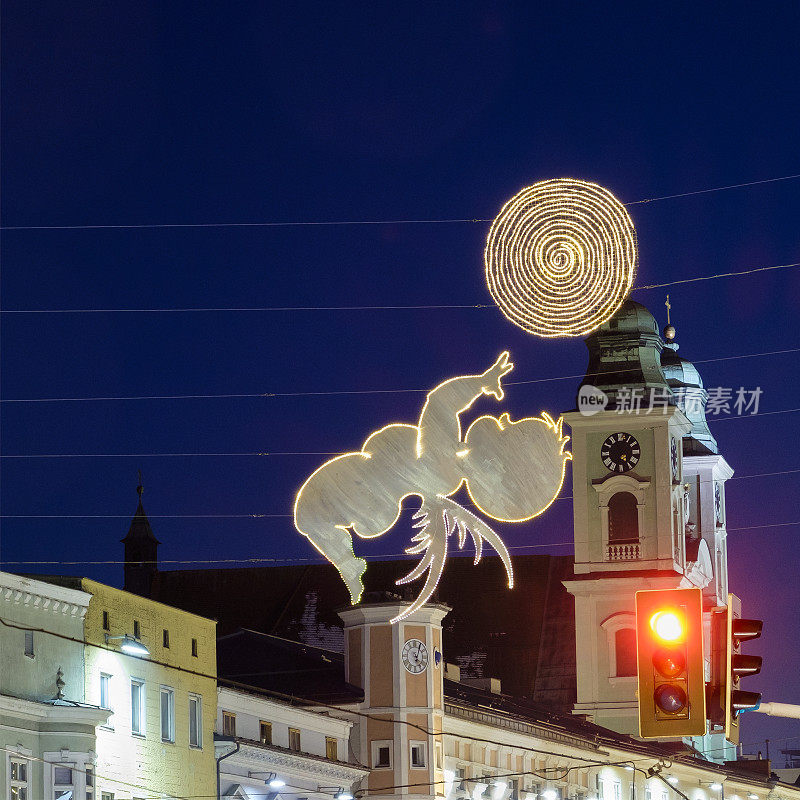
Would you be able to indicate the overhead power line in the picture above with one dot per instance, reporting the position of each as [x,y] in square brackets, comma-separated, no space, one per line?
[245,395]
[275,309]
[286,453]
[256,515]
[329,223]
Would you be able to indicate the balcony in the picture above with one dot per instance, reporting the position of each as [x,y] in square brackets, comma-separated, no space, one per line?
[623,552]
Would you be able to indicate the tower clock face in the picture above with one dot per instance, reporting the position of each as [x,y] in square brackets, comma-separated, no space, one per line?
[415,656]
[620,452]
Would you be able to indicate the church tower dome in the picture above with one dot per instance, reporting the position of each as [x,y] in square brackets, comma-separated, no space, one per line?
[625,355]
[687,386]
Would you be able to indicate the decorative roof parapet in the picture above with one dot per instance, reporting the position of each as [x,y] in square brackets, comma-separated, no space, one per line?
[43,596]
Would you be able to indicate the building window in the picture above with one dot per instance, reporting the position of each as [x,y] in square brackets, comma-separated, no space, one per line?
[106,622]
[623,519]
[105,690]
[136,630]
[228,724]
[106,795]
[611,789]
[29,644]
[166,638]
[195,721]
[460,778]
[62,783]
[514,793]
[382,754]
[167,714]
[194,647]
[294,739]
[265,732]
[18,779]
[137,706]
[625,647]
[89,781]
[331,748]
[419,755]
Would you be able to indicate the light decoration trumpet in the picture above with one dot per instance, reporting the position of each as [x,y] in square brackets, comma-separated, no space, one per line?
[561,257]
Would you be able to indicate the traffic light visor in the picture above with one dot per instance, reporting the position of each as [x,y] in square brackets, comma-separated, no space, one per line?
[668,625]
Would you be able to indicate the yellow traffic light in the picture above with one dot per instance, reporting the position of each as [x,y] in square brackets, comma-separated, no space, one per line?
[669,653]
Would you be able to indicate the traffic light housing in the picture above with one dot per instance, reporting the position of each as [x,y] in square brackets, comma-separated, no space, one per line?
[669,657]
[729,665]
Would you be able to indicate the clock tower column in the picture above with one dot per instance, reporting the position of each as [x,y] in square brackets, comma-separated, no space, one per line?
[400,668]
[629,508]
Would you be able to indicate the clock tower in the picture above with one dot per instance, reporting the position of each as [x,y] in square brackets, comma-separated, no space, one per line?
[635,484]
[400,668]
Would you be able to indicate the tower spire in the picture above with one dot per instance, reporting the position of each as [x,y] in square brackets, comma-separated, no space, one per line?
[141,550]
[669,331]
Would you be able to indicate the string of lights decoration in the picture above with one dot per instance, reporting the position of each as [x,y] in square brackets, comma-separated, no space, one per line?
[561,257]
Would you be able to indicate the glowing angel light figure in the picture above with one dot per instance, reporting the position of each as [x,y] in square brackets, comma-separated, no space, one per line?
[513,471]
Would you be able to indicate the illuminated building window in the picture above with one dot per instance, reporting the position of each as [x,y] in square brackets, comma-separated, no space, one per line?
[167,714]
[137,707]
[294,739]
[419,754]
[136,629]
[18,779]
[265,732]
[195,721]
[166,638]
[194,647]
[106,622]
[625,646]
[29,644]
[331,748]
[228,724]
[382,754]
[105,692]
[623,519]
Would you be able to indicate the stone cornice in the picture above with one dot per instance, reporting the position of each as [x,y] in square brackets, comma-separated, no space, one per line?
[38,595]
[280,760]
[49,712]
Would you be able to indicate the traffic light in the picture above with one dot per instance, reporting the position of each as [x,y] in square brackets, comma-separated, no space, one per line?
[730,665]
[669,656]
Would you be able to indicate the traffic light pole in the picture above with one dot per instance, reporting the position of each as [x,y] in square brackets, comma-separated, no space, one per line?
[779,710]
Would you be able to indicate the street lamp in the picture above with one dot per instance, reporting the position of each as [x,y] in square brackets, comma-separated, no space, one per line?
[129,645]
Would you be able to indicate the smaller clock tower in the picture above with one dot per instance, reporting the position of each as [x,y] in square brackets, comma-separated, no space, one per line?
[400,668]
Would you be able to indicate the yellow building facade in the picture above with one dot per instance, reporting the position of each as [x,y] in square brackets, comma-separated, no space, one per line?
[159,739]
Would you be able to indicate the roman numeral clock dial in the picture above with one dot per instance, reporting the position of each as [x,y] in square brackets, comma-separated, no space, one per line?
[620,452]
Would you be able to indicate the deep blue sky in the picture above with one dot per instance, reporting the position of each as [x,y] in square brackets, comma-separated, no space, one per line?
[136,113]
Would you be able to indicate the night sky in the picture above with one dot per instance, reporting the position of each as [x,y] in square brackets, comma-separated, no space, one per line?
[131,114]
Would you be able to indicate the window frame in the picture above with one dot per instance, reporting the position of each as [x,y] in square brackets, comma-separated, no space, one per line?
[165,638]
[18,783]
[194,648]
[262,726]
[376,746]
[294,733]
[228,716]
[30,649]
[417,745]
[332,748]
[169,693]
[140,728]
[198,720]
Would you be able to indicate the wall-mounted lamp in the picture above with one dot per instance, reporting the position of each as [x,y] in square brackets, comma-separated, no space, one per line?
[129,645]
[272,780]
[672,779]
[715,786]
[338,792]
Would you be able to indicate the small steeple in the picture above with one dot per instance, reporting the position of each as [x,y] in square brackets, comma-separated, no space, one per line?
[141,550]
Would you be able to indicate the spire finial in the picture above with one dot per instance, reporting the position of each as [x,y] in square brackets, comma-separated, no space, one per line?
[60,684]
[669,331]
[139,488]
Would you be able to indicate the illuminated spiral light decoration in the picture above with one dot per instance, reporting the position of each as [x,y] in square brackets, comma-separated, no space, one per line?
[561,257]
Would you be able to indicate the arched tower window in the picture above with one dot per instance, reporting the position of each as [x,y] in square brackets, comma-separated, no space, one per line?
[623,519]
[625,647]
